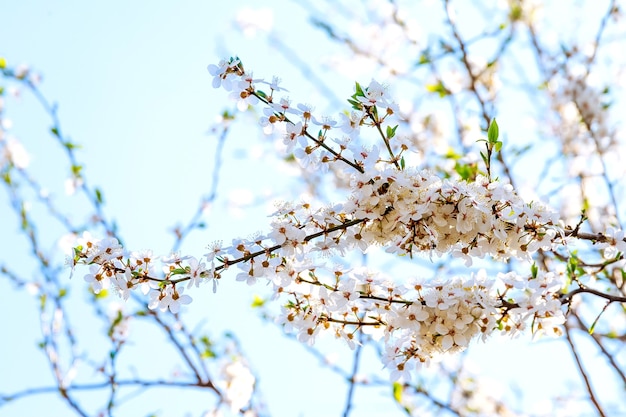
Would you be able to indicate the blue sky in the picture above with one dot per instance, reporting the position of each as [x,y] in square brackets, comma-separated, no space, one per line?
[132,87]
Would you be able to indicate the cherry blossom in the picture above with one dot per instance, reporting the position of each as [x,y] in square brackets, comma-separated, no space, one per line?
[402,209]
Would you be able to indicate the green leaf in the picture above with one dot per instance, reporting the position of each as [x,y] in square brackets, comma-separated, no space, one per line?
[466,171]
[70,145]
[23,215]
[437,88]
[533,270]
[356,105]
[485,160]
[76,169]
[374,113]
[102,294]
[98,195]
[593,325]
[359,91]
[493,132]
[55,131]
[402,163]
[391,131]
[257,302]
[208,351]
[586,204]
[515,13]
[261,94]
[226,115]
[119,317]
[397,392]
[572,263]
[451,154]
[3,62]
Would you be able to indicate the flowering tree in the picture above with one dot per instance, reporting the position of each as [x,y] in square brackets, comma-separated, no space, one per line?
[425,227]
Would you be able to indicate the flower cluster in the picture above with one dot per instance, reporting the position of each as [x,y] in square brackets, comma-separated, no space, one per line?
[417,319]
[238,384]
[333,141]
[111,266]
[418,211]
[420,319]
[580,107]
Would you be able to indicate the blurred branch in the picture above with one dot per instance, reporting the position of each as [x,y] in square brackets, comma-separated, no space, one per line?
[608,355]
[355,369]
[208,199]
[583,373]
[92,194]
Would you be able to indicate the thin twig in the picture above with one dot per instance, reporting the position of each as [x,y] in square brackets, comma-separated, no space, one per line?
[353,375]
[583,373]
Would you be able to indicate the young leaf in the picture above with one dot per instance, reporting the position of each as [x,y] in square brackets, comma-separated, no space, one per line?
[391,131]
[76,170]
[359,91]
[493,132]
[258,302]
[397,392]
[98,195]
[437,88]
[593,325]
[485,160]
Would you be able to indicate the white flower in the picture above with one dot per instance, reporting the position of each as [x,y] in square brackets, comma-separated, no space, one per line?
[374,94]
[274,85]
[615,243]
[15,153]
[247,276]
[238,383]
[223,73]
[351,125]
[124,283]
[196,270]
[98,278]
[170,297]
[292,135]
[174,258]
[215,250]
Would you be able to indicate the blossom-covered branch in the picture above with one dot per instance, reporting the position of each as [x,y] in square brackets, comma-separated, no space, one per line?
[402,209]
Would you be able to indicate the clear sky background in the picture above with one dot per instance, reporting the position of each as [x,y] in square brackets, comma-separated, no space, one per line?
[132,87]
